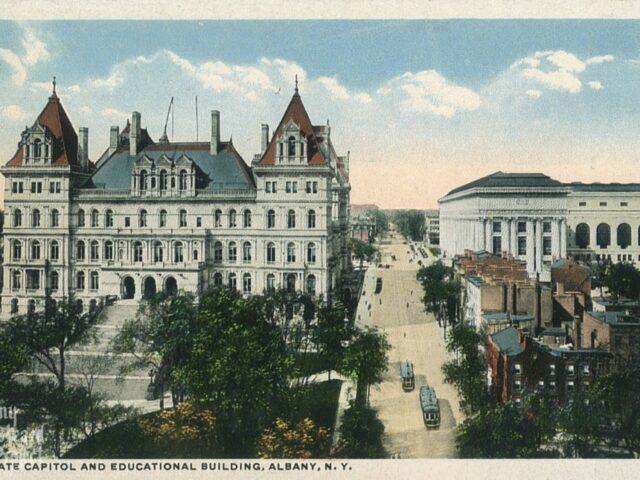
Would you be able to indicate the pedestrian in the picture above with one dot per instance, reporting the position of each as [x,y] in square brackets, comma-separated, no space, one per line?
[407,304]
[405,334]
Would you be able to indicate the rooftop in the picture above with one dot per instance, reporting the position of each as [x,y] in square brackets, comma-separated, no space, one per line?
[510,180]
[508,341]
[616,318]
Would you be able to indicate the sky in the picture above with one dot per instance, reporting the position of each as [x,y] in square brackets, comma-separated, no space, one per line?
[422,106]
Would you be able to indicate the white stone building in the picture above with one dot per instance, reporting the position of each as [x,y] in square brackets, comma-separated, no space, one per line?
[539,220]
[148,215]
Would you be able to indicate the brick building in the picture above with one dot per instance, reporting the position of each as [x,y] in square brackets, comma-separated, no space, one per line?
[615,332]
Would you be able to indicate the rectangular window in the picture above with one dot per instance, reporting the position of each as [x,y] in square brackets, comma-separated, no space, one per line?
[571,369]
[294,187]
[54,187]
[314,187]
[17,187]
[33,279]
[522,245]
[585,369]
[582,204]
[267,187]
[624,204]
[127,221]
[517,385]
[274,187]
[517,368]
[522,227]
[36,187]
[198,221]
[308,189]
[552,368]
[497,227]
[603,204]
[497,245]
[546,227]
[546,245]
[570,386]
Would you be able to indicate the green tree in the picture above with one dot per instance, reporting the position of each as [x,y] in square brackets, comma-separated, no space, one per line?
[382,220]
[161,338]
[441,291]
[330,334]
[623,280]
[362,250]
[300,440]
[580,426]
[365,361]
[239,368]
[13,359]
[411,223]
[360,433]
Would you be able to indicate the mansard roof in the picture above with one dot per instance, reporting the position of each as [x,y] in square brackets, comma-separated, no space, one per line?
[224,171]
[510,180]
[297,114]
[55,121]
[604,187]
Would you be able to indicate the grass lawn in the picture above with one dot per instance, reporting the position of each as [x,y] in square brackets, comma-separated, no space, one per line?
[126,440]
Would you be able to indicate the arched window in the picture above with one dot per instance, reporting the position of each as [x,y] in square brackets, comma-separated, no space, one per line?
[94,250]
[271,252]
[311,253]
[162,218]
[37,148]
[163,180]
[142,218]
[178,252]
[35,250]
[81,218]
[217,252]
[108,218]
[17,250]
[183,180]
[603,235]
[217,218]
[232,218]
[291,219]
[217,279]
[291,252]
[80,250]
[137,252]
[35,218]
[246,283]
[233,282]
[183,218]
[14,305]
[271,282]
[17,218]
[143,180]
[246,252]
[80,281]
[582,235]
[16,279]
[93,281]
[108,250]
[271,219]
[233,252]
[94,218]
[624,235]
[158,252]
[55,218]
[55,281]
[311,219]
[291,146]
[54,253]
[246,218]
[311,284]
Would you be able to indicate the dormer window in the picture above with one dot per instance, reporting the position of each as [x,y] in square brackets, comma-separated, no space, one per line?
[37,148]
[291,149]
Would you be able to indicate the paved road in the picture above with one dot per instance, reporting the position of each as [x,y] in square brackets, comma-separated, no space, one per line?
[414,336]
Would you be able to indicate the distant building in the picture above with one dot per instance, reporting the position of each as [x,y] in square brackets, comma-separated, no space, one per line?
[432,227]
[363,228]
[540,220]
[518,364]
[616,332]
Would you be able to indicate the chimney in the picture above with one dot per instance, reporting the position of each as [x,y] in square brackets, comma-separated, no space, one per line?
[83,148]
[114,139]
[504,296]
[577,329]
[215,132]
[514,299]
[134,133]
[560,288]
[265,137]
[538,306]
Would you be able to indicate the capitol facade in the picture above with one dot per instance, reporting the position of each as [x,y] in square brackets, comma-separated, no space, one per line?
[159,215]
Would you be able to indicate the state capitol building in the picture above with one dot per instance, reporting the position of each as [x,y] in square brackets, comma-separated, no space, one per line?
[158,215]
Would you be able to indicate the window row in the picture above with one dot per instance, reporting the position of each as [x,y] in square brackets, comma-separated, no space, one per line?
[17,186]
[290,187]
[157,251]
[290,281]
[36,218]
[603,235]
[35,250]
[291,252]
[146,180]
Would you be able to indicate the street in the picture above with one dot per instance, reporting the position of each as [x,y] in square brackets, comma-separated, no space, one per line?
[415,336]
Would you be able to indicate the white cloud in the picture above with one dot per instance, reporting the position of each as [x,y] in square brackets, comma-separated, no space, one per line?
[35,49]
[564,60]
[334,88]
[364,98]
[14,113]
[600,59]
[595,84]
[113,114]
[74,88]
[87,109]
[114,80]
[44,86]
[534,93]
[557,80]
[429,92]
[19,71]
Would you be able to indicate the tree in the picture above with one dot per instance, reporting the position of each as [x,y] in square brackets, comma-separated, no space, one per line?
[330,334]
[13,358]
[239,368]
[47,336]
[411,223]
[362,250]
[579,425]
[360,433]
[365,360]
[623,280]
[160,337]
[381,218]
[301,440]
[441,292]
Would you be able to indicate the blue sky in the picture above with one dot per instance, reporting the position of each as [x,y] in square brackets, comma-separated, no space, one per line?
[422,105]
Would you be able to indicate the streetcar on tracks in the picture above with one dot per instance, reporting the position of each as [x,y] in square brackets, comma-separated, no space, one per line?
[430,407]
[407,376]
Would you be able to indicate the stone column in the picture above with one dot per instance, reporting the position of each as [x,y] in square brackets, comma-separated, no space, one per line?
[483,234]
[563,238]
[530,246]
[513,248]
[539,245]
[488,233]
[555,237]
[506,235]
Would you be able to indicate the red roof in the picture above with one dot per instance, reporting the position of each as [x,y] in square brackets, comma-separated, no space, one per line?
[65,141]
[298,114]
